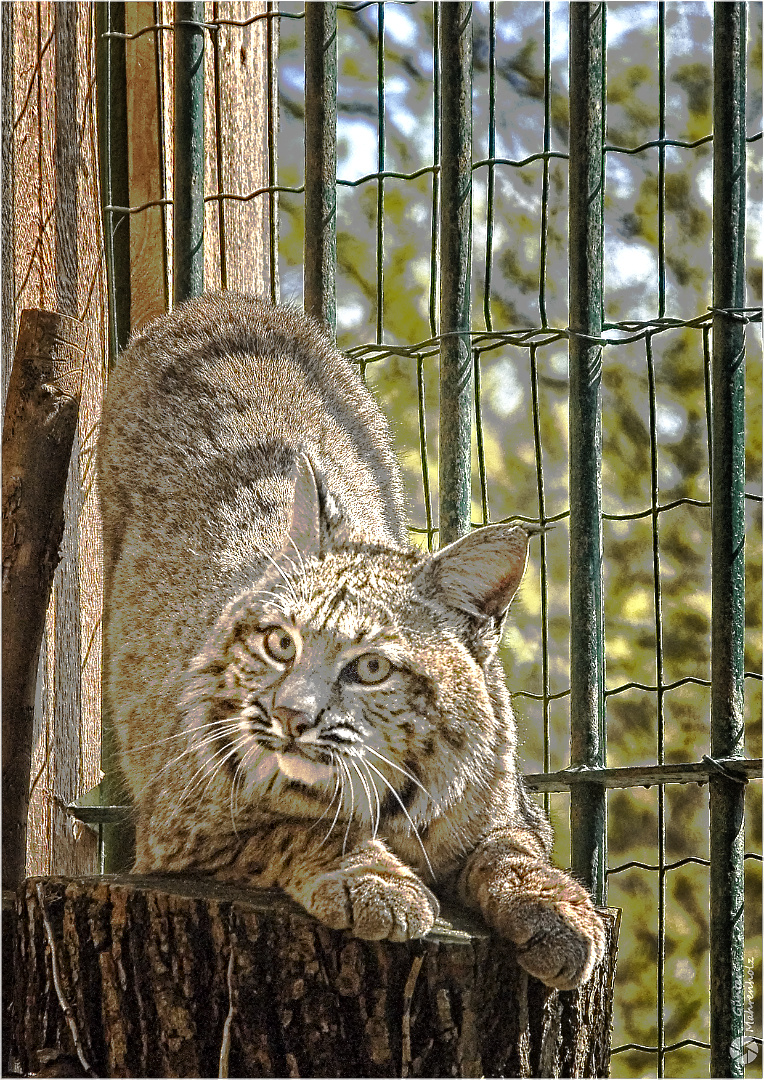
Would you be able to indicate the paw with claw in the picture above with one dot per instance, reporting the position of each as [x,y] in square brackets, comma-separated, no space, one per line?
[373,904]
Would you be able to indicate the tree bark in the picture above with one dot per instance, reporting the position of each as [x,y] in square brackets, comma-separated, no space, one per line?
[132,976]
[38,432]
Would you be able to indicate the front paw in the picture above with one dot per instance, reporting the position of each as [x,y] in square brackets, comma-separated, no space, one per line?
[559,936]
[373,905]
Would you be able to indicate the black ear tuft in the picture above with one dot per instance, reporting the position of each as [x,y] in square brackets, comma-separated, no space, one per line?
[479,573]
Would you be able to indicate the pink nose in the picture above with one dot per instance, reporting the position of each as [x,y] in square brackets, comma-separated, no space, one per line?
[294,722]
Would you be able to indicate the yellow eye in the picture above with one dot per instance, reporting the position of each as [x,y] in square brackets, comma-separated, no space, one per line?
[370,668]
[279,645]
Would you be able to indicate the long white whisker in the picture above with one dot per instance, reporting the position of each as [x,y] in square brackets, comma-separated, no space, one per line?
[232,797]
[192,783]
[376,799]
[299,555]
[331,801]
[183,734]
[287,580]
[341,777]
[227,726]
[200,744]
[302,579]
[211,731]
[291,562]
[352,806]
[275,600]
[209,768]
[405,772]
[237,783]
[385,781]
[217,765]
[365,786]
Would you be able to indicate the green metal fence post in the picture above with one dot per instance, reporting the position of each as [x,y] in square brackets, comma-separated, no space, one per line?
[272,37]
[455,260]
[111,97]
[726,795]
[188,196]
[320,290]
[116,839]
[587,662]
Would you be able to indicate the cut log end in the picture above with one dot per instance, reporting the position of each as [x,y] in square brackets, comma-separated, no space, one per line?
[131,976]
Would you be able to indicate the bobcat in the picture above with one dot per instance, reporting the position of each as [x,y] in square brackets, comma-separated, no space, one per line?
[302,699]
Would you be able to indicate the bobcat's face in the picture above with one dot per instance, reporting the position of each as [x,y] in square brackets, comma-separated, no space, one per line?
[336,690]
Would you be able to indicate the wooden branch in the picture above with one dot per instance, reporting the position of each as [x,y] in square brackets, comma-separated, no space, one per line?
[133,976]
[38,432]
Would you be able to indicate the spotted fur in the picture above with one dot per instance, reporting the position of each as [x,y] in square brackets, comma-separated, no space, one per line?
[300,698]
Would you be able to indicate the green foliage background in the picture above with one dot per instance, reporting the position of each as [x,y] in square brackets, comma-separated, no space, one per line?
[631,282]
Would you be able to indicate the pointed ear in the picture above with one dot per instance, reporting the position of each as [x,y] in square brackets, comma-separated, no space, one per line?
[305,530]
[479,573]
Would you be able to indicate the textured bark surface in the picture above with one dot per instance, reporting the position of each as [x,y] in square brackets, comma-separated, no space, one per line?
[129,976]
[38,433]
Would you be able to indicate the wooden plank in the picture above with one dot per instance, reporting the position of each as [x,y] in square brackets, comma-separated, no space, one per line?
[77,848]
[236,117]
[26,152]
[61,158]
[8,285]
[147,242]
[33,214]
[57,264]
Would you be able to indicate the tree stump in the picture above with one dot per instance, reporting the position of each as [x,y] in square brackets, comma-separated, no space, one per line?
[138,976]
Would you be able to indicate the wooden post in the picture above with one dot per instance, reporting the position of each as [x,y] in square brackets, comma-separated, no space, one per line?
[132,976]
[38,432]
[53,260]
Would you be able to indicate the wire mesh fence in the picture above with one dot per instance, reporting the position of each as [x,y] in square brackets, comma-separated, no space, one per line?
[526,223]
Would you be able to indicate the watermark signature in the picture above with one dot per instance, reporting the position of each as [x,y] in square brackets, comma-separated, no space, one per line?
[748,1049]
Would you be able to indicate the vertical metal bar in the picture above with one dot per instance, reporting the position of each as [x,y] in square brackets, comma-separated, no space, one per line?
[435,221]
[658,615]
[726,797]
[158,53]
[219,148]
[661,159]
[491,166]
[707,394]
[547,147]
[321,162]
[538,453]
[380,169]
[479,439]
[455,260]
[111,83]
[535,392]
[116,841]
[655,499]
[272,38]
[423,450]
[188,198]
[587,677]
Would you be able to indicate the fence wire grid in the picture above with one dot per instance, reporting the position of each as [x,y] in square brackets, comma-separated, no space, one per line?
[526,224]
